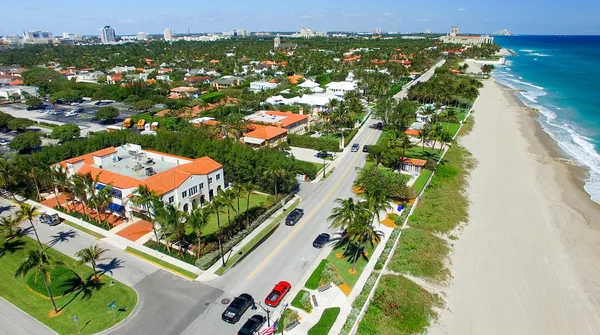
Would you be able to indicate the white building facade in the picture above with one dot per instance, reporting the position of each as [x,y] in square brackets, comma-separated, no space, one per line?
[107,35]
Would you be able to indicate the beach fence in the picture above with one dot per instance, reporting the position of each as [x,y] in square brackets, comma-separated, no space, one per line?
[363,310]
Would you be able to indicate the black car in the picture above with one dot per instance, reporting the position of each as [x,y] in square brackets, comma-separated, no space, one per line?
[237,308]
[253,325]
[323,155]
[294,217]
[379,126]
[355,147]
[320,241]
[365,148]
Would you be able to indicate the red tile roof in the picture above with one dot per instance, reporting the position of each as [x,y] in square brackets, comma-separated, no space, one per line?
[266,132]
[16,82]
[89,158]
[413,161]
[412,132]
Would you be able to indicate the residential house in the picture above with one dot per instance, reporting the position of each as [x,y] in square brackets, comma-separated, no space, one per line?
[412,166]
[258,86]
[193,80]
[122,69]
[265,136]
[16,92]
[180,181]
[340,88]
[294,123]
[225,82]
[183,92]
[312,86]
[114,78]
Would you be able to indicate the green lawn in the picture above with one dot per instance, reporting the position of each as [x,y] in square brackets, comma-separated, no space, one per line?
[427,153]
[314,281]
[342,265]
[256,200]
[325,322]
[258,238]
[88,301]
[302,301]
[420,182]
[318,166]
[161,263]
[451,127]
[399,307]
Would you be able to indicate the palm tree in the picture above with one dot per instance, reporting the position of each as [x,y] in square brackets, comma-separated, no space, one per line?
[229,197]
[198,219]
[91,255]
[100,201]
[276,173]
[404,144]
[249,188]
[9,225]
[28,212]
[361,231]
[40,261]
[173,222]
[59,178]
[80,189]
[239,191]
[217,204]
[143,196]
[376,203]
[424,136]
[9,177]
[344,215]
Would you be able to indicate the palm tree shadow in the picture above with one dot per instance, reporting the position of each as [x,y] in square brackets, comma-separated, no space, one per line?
[12,246]
[24,231]
[114,263]
[83,289]
[63,236]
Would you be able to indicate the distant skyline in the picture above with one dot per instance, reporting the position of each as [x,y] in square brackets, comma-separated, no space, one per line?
[152,16]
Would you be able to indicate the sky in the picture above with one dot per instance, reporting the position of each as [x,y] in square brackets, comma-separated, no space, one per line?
[129,17]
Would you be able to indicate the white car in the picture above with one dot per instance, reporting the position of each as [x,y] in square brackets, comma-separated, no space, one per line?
[4,141]
[71,113]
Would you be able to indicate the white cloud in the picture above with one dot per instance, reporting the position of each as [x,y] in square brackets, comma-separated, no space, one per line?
[462,9]
[386,14]
[352,15]
[306,16]
[129,21]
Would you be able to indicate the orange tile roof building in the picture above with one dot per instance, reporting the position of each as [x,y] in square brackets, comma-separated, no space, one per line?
[262,136]
[178,180]
[412,165]
[294,123]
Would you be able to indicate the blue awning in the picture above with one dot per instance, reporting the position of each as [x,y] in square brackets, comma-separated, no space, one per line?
[100,186]
[115,207]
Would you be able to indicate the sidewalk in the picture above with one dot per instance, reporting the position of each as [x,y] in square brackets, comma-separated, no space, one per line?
[209,274]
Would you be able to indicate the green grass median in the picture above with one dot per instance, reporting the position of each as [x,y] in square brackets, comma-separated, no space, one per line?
[83,229]
[163,264]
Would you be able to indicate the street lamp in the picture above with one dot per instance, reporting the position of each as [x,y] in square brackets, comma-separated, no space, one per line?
[268,313]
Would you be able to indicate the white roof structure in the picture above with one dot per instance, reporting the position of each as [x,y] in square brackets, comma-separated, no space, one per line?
[201,120]
[308,84]
[342,85]
[253,140]
[317,99]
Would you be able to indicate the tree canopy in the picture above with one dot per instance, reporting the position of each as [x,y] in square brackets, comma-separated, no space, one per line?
[26,141]
[107,113]
[66,132]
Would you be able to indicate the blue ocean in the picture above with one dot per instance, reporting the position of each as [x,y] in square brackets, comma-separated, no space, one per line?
[560,77]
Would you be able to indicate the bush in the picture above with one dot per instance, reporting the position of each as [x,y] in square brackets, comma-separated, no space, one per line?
[330,275]
[289,315]
[212,96]
[313,143]
[314,280]
[325,322]
[302,301]
[350,136]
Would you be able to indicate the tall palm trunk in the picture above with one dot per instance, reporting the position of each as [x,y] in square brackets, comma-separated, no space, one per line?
[199,237]
[37,188]
[56,197]
[219,239]
[37,237]
[50,294]
[247,210]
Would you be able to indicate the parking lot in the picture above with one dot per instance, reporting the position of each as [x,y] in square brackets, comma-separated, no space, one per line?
[85,120]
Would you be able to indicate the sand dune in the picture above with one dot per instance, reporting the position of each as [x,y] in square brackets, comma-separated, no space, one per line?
[527,261]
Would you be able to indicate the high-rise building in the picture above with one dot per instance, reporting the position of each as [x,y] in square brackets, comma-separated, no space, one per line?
[378,31]
[71,36]
[107,35]
[37,37]
[141,36]
[168,34]
[277,42]
[427,31]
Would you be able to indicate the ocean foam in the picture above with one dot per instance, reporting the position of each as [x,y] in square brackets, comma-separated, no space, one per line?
[539,54]
[527,50]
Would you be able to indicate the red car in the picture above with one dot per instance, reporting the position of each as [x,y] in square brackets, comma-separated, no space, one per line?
[278,292]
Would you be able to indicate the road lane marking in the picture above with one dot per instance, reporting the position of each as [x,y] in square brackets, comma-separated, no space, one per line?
[285,240]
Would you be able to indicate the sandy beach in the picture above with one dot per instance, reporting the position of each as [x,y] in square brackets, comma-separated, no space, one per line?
[527,262]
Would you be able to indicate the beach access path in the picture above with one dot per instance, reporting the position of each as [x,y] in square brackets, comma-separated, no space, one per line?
[526,262]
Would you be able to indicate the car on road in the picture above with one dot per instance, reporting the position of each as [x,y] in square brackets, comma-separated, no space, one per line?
[355,147]
[320,241]
[49,219]
[277,294]
[379,126]
[294,217]
[365,148]
[4,141]
[253,325]
[237,308]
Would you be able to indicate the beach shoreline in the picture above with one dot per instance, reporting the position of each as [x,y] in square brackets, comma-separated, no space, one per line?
[527,261]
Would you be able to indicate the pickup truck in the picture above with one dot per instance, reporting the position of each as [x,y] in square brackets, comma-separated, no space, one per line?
[237,308]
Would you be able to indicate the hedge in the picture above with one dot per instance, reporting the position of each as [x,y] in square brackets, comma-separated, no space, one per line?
[328,144]
[315,278]
[350,136]
[212,96]
[325,322]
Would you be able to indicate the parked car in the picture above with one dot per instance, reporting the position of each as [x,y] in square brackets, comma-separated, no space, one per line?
[320,241]
[355,147]
[323,155]
[71,113]
[49,219]
[277,294]
[4,130]
[4,141]
[253,325]
[237,308]
[365,148]
[379,126]
[294,217]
